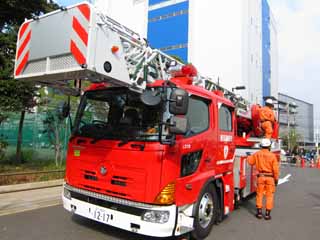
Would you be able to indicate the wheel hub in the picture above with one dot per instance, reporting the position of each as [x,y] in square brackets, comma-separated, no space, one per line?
[205,210]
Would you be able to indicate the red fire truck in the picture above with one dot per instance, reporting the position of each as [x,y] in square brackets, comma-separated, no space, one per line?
[156,148]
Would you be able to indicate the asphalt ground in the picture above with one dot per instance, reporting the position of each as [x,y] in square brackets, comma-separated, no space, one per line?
[296,216]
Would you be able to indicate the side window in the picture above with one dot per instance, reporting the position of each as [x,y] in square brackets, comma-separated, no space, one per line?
[225,118]
[198,116]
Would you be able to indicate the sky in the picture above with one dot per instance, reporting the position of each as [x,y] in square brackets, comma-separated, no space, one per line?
[298,25]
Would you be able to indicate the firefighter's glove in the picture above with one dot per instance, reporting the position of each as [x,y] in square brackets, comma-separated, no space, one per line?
[276,182]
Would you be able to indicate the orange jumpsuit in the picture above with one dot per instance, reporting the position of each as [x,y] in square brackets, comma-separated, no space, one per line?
[268,168]
[267,118]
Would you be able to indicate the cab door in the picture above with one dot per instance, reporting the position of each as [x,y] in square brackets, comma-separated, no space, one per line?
[193,144]
[193,150]
[226,145]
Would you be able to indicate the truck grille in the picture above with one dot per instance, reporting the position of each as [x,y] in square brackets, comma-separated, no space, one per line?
[119,181]
[109,198]
[107,204]
[89,175]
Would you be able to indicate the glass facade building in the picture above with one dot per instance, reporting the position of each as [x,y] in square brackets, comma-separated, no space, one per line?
[301,118]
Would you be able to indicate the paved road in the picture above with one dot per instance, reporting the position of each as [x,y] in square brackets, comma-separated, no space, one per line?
[296,216]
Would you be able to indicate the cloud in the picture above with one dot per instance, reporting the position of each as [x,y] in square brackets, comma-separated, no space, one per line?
[299,52]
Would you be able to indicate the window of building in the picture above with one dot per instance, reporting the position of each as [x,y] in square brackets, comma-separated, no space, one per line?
[169,15]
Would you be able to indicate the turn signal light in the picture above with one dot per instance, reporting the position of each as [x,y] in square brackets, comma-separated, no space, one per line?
[166,196]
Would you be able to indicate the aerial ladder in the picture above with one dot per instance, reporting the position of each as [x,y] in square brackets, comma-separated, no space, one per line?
[80,43]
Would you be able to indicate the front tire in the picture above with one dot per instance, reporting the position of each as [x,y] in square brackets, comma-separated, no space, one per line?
[206,212]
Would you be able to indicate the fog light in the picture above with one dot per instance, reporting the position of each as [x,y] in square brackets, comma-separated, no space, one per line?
[67,193]
[156,216]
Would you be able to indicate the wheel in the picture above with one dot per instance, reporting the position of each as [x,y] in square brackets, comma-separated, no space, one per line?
[206,212]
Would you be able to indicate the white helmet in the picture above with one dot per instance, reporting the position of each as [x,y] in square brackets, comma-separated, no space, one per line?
[265,143]
[269,102]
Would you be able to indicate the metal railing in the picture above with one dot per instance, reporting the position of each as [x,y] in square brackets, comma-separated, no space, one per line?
[30,173]
[31,176]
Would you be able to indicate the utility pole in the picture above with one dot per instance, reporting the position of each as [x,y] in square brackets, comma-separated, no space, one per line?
[317,135]
[288,127]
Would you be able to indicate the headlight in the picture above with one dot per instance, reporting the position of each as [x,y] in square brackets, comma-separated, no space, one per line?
[156,216]
[66,193]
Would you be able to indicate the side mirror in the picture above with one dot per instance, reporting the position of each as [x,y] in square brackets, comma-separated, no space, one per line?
[179,101]
[178,125]
[63,110]
[150,98]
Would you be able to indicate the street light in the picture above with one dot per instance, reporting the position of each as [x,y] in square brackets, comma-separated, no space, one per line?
[291,108]
[238,88]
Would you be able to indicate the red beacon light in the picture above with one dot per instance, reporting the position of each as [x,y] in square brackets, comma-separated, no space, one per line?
[184,74]
[189,70]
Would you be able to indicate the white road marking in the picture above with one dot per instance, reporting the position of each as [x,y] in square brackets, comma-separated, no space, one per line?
[285,179]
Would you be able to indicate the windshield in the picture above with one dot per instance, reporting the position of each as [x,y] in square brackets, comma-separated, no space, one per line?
[118,113]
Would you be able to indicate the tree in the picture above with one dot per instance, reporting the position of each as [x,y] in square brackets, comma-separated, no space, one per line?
[56,126]
[291,139]
[53,124]
[16,96]
[13,12]
[20,97]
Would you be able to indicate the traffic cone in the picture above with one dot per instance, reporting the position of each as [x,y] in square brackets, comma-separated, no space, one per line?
[302,163]
[311,163]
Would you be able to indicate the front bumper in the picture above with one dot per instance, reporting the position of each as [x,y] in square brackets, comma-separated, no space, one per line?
[126,214]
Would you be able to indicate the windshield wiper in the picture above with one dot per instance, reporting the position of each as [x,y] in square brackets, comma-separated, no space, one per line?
[125,141]
[97,139]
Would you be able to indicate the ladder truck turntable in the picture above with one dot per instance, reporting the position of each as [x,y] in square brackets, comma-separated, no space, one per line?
[156,148]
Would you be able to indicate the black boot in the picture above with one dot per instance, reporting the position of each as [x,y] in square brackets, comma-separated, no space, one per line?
[259,213]
[267,216]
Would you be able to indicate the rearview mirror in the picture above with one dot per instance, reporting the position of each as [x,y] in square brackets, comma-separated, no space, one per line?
[179,101]
[178,125]
[150,98]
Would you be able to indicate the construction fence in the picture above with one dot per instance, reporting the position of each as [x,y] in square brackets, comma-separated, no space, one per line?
[35,139]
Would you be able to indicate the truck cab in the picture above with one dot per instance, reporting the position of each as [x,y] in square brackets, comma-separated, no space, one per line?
[160,149]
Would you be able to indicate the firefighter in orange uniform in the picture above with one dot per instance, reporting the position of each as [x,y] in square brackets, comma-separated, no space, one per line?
[268,175]
[267,118]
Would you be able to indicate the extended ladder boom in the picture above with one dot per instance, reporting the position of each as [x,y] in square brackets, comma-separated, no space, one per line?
[81,43]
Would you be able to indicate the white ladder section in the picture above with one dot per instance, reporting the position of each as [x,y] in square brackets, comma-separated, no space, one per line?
[145,63]
[91,46]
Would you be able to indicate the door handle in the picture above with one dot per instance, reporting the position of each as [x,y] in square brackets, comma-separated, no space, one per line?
[208,160]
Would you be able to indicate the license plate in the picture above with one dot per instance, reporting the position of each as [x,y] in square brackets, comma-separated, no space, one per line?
[101,215]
